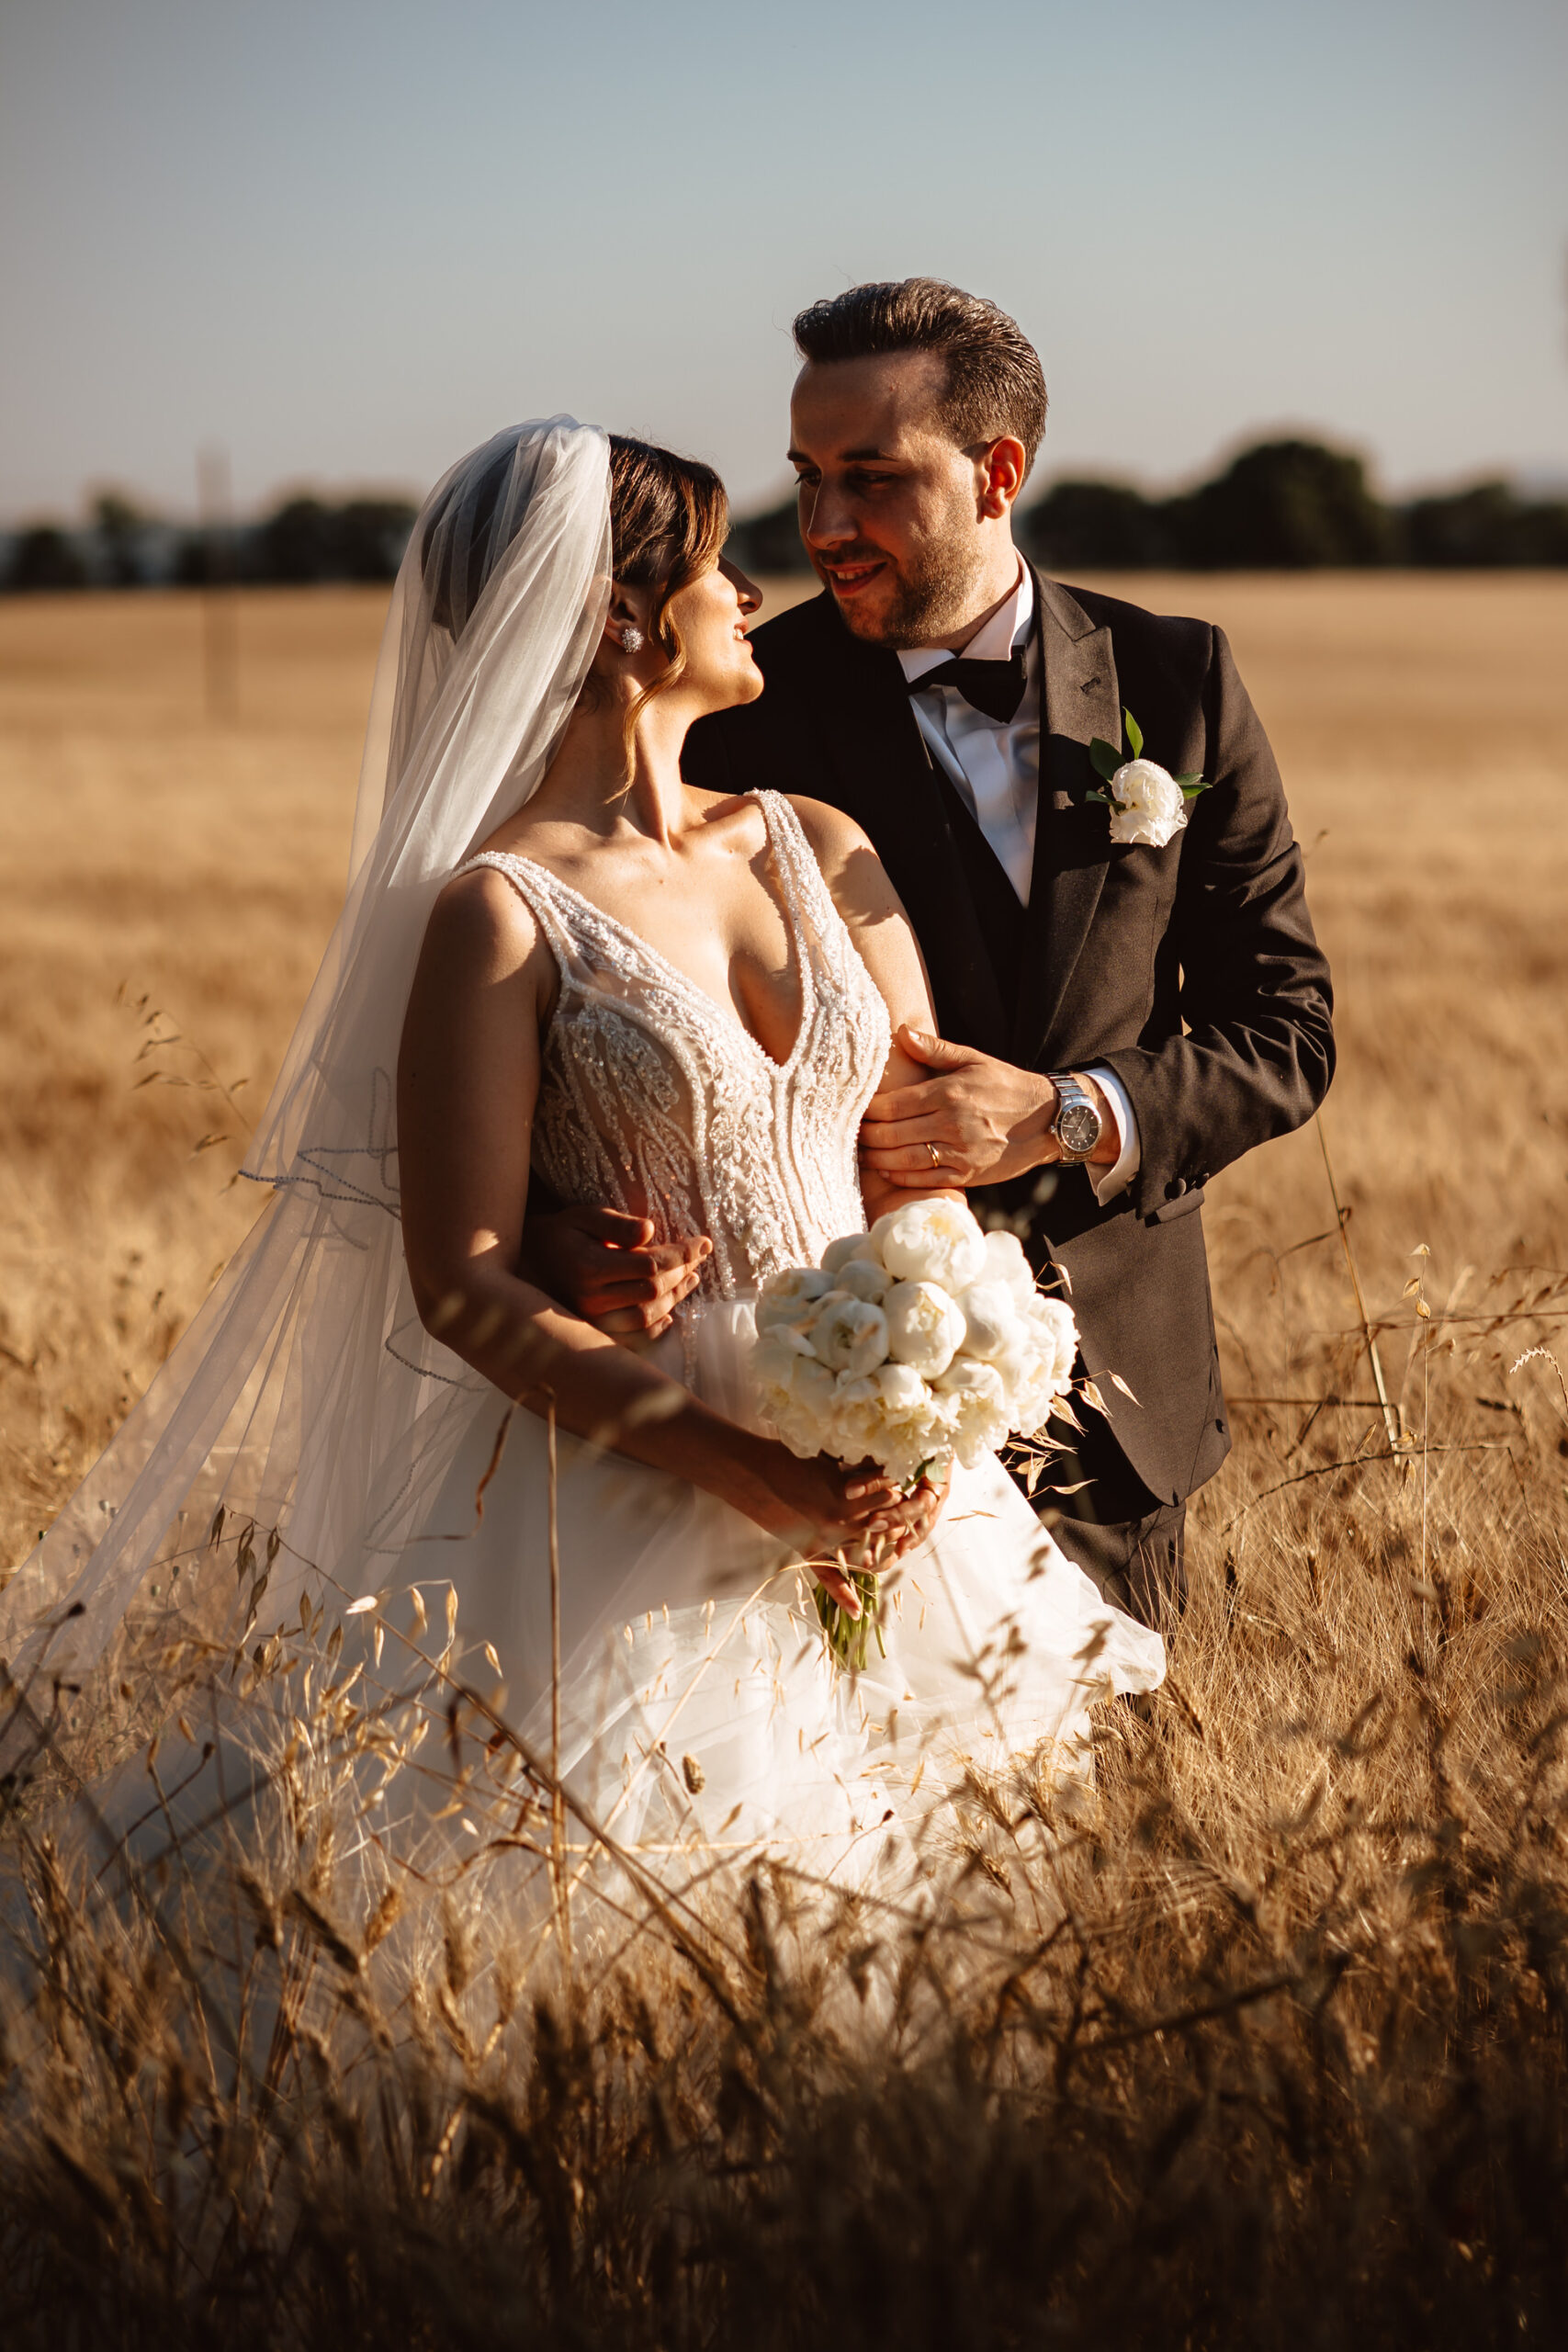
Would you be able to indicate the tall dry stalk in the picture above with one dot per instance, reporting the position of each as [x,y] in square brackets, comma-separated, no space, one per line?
[557,1797]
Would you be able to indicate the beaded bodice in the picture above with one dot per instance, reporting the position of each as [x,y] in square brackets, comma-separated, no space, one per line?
[657,1100]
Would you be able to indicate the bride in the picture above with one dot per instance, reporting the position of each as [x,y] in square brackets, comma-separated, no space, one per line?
[558,960]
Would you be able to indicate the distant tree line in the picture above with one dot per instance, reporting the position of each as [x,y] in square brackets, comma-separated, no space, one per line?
[1279,506]
[304,540]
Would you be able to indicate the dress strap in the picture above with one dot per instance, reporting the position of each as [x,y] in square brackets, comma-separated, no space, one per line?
[533,885]
[813,912]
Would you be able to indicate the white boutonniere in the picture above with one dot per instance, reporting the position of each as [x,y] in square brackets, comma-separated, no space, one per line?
[1147,804]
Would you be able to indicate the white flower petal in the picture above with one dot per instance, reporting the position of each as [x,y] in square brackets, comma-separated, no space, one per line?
[925,1327]
[849,1333]
[934,1241]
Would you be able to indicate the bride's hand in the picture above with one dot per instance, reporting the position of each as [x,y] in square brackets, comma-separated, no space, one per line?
[918,1513]
[928,1503]
[608,1269]
[823,1507]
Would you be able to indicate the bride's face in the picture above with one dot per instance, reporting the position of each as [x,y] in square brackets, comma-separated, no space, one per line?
[711,615]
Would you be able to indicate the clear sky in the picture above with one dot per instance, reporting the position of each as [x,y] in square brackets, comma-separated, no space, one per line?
[347,239]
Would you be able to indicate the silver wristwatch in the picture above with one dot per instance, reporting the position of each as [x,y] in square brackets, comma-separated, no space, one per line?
[1078,1125]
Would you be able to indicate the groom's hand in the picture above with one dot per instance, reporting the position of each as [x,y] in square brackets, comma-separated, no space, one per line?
[607,1268]
[983,1119]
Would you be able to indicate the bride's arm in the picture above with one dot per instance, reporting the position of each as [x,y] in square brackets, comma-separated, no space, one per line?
[874,917]
[468,1081]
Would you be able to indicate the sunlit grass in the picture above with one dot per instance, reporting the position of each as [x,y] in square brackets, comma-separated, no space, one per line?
[1265,2046]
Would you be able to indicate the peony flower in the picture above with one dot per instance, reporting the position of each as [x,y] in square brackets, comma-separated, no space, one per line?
[857,1417]
[1038,1368]
[992,1316]
[925,1327]
[1148,806]
[811,1385]
[773,1359]
[903,1393]
[1005,1263]
[864,1278]
[931,1241]
[915,1445]
[978,1404]
[789,1296]
[837,1255]
[801,1407]
[1057,1337]
[851,1334]
[902,1440]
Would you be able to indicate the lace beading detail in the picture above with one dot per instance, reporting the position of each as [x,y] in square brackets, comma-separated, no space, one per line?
[657,1100]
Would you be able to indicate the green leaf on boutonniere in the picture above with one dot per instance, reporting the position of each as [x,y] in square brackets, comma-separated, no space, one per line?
[1101,799]
[1135,734]
[1192,786]
[1104,758]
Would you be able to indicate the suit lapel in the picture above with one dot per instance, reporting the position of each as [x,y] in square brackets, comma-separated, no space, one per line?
[1079,699]
[886,781]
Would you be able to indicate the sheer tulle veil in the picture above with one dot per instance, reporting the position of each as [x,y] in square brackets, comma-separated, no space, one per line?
[307,1403]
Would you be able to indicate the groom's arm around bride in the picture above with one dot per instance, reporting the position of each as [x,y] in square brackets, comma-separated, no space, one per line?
[1123,1012]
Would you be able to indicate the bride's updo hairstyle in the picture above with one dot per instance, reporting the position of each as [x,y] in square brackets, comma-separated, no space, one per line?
[669,520]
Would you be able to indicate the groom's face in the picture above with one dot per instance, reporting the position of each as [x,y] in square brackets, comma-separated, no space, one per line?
[891,509]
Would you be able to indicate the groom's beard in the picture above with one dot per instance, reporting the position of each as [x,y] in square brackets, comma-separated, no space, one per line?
[930,597]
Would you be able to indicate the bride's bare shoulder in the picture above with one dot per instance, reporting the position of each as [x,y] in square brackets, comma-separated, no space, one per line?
[842,847]
[483,927]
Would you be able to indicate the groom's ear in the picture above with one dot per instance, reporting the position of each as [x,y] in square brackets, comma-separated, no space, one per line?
[1002,471]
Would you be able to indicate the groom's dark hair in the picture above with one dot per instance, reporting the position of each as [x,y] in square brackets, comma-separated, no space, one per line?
[995,383]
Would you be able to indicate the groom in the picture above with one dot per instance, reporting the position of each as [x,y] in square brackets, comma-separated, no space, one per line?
[1117,1022]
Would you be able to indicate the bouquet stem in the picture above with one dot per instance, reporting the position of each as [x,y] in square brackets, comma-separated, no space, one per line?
[848,1637]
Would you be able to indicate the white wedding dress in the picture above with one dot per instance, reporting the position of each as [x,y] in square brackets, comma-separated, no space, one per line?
[699,1705]
[246,1545]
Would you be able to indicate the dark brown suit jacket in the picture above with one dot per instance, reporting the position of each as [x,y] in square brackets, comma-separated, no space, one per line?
[1191,971]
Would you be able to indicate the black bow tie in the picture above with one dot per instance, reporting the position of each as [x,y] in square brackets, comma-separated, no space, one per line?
[995,687]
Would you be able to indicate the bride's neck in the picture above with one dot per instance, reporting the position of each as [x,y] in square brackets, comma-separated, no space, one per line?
[586,782]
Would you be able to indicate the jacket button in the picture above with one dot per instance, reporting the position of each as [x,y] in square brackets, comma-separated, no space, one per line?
[1176,1187]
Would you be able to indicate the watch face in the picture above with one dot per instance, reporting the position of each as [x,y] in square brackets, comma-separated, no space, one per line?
[1078,1128]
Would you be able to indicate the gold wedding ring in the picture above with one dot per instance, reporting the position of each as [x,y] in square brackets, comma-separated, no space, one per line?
[936,1161]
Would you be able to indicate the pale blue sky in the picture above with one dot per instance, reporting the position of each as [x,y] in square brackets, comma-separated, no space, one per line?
[350,238]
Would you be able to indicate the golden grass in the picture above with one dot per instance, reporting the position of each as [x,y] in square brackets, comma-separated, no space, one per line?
[1289,2058]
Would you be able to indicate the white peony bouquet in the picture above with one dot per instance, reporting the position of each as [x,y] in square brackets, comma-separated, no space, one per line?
[920,1340]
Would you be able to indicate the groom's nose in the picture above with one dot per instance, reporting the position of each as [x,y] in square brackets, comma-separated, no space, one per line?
[826,517]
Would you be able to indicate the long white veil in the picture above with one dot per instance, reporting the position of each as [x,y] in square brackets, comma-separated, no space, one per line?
[307,1413]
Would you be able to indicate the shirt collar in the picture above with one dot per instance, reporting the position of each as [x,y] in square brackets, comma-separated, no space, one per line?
[1006,629]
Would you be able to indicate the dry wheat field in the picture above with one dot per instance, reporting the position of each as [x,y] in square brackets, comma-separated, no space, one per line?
[1271,2049]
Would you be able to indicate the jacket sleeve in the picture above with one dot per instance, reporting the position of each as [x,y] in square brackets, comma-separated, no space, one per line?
[1256,1000]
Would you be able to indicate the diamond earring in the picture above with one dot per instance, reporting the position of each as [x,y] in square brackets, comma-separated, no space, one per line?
[631,639]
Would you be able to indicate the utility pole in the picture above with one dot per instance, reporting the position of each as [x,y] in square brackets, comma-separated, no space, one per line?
[219,610]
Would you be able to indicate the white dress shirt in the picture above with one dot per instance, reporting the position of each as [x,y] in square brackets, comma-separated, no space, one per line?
[995,766]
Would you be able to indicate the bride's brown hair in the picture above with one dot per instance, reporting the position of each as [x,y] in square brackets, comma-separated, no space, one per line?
[669,520]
